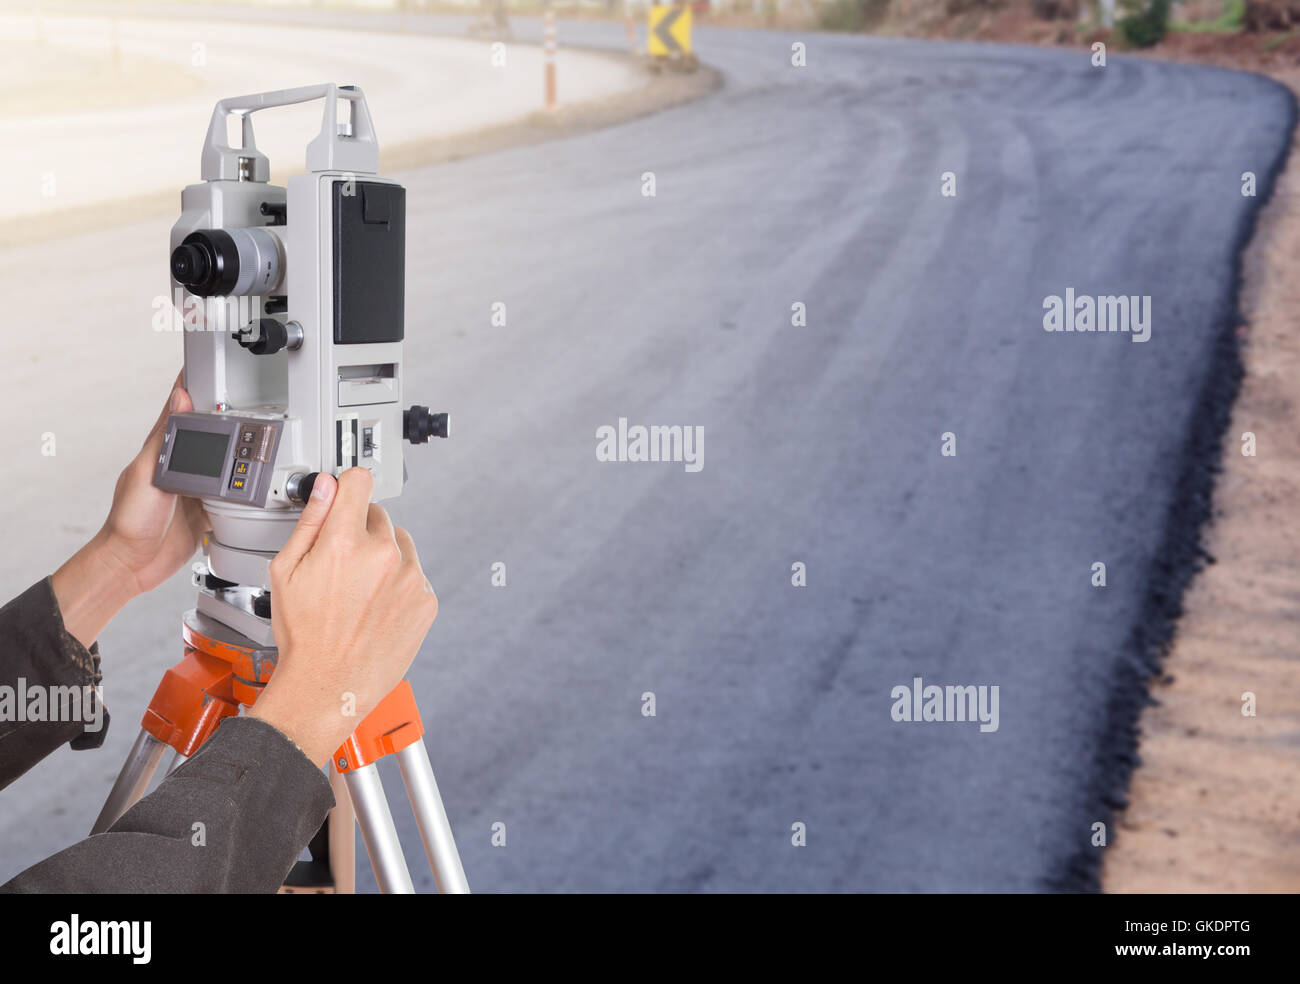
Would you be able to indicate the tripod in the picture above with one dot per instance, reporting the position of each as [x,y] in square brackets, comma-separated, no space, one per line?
[225,668]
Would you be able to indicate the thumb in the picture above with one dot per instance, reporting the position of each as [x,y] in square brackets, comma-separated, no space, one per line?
[142,466]
[312,519]
[178,401]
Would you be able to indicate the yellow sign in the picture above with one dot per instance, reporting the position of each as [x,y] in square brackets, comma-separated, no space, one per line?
[670,31]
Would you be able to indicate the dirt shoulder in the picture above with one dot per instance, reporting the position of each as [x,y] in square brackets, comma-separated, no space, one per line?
[1215,806]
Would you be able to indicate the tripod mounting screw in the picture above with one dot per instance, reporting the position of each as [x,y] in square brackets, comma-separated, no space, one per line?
[418,424]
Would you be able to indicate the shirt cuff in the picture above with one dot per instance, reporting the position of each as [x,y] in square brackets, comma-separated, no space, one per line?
[87,663]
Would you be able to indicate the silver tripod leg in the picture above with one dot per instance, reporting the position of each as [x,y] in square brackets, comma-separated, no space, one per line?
[377,831]
[177,761]
[431,818]
[132,781]
[342,822]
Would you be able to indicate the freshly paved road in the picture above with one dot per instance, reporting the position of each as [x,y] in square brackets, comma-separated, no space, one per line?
[820,185]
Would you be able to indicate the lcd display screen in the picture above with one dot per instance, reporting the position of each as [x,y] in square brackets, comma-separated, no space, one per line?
[197,452]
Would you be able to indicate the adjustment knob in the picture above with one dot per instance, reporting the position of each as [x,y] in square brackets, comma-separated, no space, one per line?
[418,424]
[298,488]
[269,336]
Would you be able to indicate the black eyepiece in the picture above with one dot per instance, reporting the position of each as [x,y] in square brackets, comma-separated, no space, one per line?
[189,265]
[206,263]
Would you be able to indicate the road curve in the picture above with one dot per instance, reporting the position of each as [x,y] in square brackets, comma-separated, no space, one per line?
[821,185]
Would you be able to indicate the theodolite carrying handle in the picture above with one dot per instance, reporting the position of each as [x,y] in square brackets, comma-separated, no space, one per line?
[339,146]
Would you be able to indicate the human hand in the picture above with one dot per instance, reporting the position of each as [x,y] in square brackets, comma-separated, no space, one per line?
[150,533]
[349,609]
[148,536]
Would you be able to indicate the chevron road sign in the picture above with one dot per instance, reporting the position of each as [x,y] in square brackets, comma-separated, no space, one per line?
[670,31]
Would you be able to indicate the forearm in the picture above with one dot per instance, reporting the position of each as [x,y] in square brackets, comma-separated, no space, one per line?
[48,684]
[234,818]
[91,588]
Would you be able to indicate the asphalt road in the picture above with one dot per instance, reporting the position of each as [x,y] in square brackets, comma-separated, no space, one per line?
[819,185]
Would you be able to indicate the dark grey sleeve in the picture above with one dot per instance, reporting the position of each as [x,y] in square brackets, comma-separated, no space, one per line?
[38,657]
[234,818]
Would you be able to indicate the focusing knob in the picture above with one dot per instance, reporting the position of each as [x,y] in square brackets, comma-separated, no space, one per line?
[271,336]
[299,486]
[418,424]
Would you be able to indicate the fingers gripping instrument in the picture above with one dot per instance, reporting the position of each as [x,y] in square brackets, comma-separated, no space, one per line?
[292,300]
